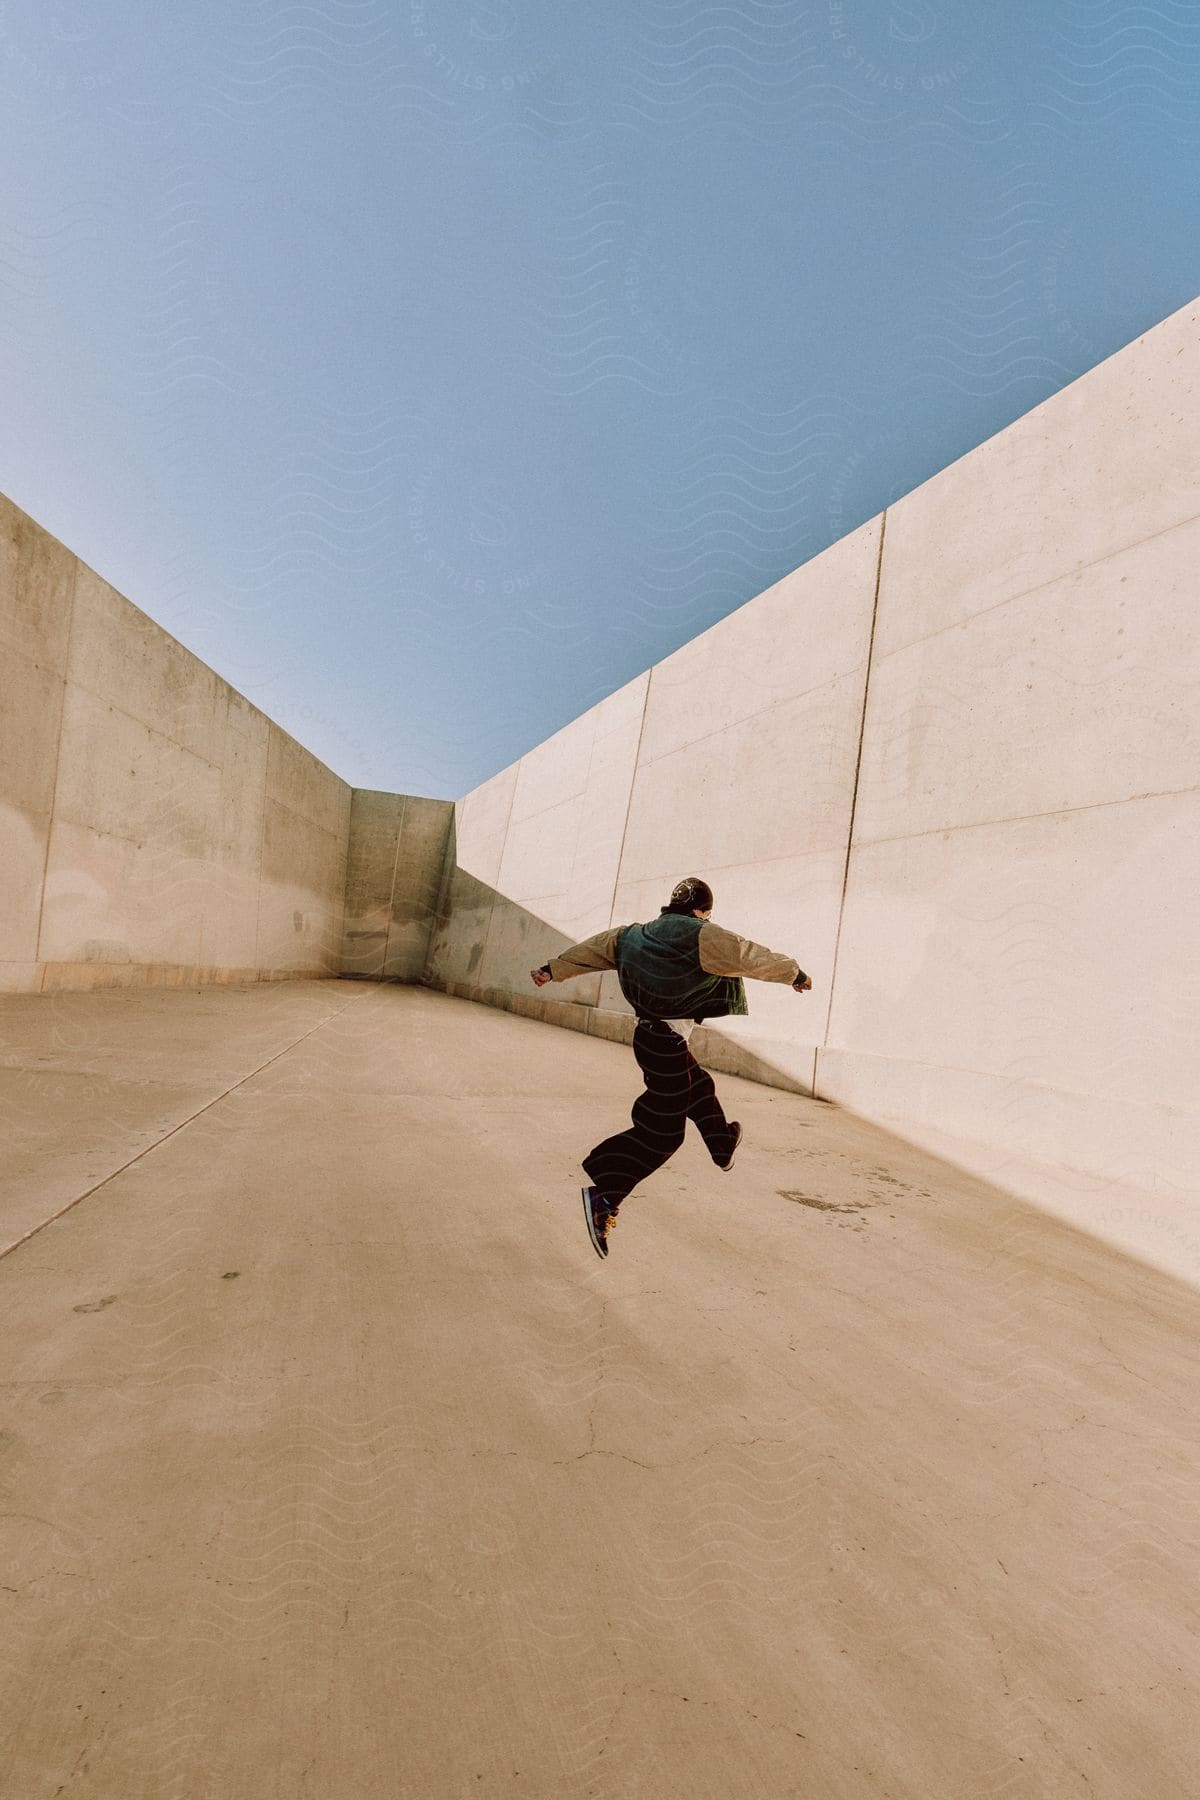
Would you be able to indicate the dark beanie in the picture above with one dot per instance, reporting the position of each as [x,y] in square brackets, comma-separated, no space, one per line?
[690,895]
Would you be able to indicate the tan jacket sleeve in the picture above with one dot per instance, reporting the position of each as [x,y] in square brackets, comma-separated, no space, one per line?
[599,952]
[724,953]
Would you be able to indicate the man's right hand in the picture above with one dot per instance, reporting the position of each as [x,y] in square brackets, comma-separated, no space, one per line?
[802,987]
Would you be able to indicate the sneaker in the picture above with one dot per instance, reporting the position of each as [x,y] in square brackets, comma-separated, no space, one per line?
[600,1219]
[736,1129]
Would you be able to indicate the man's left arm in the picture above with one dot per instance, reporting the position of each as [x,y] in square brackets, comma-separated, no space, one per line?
[723,952]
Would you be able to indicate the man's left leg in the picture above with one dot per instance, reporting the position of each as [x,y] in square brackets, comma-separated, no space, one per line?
[617,1165]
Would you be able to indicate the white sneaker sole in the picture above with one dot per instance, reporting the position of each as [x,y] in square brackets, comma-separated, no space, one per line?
[725,1167]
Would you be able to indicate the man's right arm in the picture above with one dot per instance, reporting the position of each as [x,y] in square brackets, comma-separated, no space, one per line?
[594,953]
[724,953]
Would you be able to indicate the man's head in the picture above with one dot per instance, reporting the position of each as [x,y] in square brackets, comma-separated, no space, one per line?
[691,896]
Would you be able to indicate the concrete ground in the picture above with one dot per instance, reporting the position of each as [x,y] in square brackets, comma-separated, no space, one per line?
[334,1463]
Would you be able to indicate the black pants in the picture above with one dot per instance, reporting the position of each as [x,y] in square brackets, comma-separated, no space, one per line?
[677,1089]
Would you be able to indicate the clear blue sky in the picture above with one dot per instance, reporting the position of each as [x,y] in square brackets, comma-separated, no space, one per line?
[432,369]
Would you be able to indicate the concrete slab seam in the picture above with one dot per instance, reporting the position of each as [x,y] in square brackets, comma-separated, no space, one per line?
[495,891]
[1081,568]
[387,936]
[62,717]
[262,835]
[175,1129]
[637,757]
[1054,812]
[862,725]
[749,718]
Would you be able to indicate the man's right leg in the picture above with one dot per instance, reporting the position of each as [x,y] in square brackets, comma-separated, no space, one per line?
[707,1113]
[659,1116]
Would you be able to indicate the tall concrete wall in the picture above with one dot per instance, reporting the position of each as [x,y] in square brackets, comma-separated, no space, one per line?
[154,826]
[1018,968]
[953,766]
[393,880]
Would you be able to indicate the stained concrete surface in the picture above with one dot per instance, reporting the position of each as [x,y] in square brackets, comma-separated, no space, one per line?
[334,1463]
[155,827]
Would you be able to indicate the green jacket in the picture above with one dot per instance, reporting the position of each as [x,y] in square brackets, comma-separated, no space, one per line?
[677,966]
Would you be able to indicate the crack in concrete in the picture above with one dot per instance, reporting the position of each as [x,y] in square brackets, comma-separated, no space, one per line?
[681,1462]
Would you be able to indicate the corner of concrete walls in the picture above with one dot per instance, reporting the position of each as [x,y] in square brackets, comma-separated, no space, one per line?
[442,902]
[395,869]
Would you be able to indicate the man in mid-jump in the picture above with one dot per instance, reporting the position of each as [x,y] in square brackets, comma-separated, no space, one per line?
[675,971]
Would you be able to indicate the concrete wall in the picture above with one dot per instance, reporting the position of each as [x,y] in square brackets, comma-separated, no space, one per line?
[393,880]
[532,863]
[952,766]
[154,826]
[1018,972]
